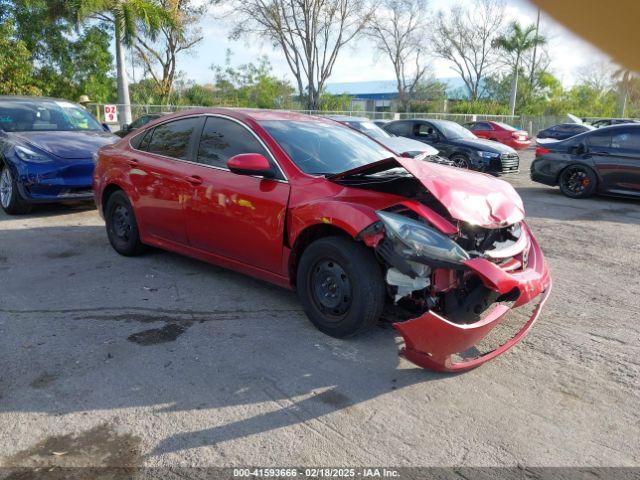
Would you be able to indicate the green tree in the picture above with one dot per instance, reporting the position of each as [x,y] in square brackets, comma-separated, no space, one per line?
[16,70]
[126,16]
[66,62]
[516,42]
[250,85]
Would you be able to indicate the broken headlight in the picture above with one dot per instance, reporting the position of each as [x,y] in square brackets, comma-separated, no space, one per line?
[418,242]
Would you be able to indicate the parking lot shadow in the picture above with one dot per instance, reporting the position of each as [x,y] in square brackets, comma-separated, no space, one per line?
[547,202]
[85,330]
[50,210]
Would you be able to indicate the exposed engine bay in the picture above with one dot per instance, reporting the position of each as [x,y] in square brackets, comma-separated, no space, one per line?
[425,267]
[457,257]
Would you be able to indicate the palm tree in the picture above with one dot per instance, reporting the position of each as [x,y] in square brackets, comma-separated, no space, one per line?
[125,16]
[518,41]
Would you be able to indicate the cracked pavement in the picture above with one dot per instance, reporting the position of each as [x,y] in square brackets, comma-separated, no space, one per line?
[164,360]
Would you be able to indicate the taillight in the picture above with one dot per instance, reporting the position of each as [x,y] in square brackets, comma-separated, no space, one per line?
[540,151]
[519,134]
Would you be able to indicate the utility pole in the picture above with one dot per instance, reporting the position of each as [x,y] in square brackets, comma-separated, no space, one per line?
[535,51]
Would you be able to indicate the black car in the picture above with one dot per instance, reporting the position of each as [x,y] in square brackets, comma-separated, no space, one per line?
[606,160]
[137,123]
[458,144]
[562,131]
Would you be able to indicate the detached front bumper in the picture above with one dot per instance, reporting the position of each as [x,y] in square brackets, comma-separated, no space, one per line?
[432,341]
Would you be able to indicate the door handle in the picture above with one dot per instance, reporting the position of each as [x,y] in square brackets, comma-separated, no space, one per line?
[132,162]
[194,180]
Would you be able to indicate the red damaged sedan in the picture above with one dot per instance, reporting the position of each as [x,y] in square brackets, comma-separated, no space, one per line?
[311,205]
[501,132]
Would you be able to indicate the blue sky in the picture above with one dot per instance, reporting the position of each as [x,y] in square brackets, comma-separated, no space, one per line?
[358,61]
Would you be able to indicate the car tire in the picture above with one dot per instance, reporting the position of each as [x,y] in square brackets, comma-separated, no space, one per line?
[341,286]
[10,200]
[122,227]
[578,181]
[461,161]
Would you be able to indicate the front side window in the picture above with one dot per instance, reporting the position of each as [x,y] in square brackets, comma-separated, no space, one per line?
[172,139]
[402,129]
[45,115]
[452,130]
[627,139]
[321,148]
[222,139]
[483,126]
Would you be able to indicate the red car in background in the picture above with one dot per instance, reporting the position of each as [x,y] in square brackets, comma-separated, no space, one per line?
[500,132]
[312,205]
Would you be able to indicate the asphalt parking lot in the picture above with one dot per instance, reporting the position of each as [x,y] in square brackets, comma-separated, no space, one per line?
[163,360]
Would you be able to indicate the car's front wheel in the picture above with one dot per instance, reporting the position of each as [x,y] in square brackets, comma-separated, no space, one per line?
[340,285]
[122,227]
[577,181]
[10,199]
[460,161]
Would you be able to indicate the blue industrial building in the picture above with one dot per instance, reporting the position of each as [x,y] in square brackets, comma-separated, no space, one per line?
[380,95]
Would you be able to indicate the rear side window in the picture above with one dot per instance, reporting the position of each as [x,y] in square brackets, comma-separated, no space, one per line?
[172,139]
[221,139]
[599,140]
[628,139]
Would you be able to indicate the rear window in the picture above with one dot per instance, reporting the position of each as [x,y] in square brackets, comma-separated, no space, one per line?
[172,139]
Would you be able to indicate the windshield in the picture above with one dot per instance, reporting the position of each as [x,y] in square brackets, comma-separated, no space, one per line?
[452,130]
[322,148]
[506,126]
[369,128]
[27,115]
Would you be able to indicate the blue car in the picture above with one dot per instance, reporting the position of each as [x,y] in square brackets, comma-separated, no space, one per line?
[46,152]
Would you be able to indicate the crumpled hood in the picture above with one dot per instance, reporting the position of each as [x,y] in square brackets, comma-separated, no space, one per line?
[68,144]
[471,197]
[400,145]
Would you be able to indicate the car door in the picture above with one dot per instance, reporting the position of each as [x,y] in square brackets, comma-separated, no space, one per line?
[598,152]
[239,217]
[625,146]
[157,174]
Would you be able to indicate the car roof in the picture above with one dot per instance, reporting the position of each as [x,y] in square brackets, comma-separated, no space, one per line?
[247,114]
[347,118]
[33,98]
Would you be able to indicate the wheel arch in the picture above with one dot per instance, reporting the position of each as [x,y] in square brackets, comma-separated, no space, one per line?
[109,190]
[305,238]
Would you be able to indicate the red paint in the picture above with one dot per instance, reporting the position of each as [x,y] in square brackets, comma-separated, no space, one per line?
[476,198]
[252,223]
[442,224]
[517,139]
[249,164]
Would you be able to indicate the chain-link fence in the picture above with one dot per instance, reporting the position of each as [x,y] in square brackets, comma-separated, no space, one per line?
[532,124]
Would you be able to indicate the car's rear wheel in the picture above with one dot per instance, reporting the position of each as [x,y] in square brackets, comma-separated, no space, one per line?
[578,181]
[460,161]
[122,227]
[10,200]
[340,285]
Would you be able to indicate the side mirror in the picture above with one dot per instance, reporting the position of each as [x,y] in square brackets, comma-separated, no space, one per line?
[105,127]
[250,164]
